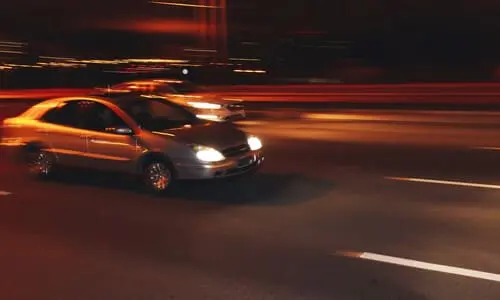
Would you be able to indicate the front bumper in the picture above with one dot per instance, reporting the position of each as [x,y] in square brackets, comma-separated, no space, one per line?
[247,163]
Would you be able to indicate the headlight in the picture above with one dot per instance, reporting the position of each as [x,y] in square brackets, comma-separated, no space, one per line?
[204,105]
[254,143]
[207,154]
[208,117]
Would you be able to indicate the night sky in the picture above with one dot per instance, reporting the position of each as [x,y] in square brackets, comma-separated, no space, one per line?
[110,25]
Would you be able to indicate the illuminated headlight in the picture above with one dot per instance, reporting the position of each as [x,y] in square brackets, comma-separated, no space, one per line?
[208,117]
[254,143]
[207,154]
[204,105]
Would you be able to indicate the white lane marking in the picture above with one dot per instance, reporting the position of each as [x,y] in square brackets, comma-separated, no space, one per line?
[411,263]
[4,193]
[447,182]
[488,148]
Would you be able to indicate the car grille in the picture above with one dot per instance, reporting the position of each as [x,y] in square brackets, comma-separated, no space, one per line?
[235,107]
[236,151]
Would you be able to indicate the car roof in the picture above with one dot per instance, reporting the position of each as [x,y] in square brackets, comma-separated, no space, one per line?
[112,98]
[117,99]
[40,108]
[50,103]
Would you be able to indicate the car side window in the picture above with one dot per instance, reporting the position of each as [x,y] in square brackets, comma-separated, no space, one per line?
[99,117]
[65,114]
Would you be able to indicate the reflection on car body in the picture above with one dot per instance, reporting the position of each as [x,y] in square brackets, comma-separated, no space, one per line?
[202,103]
[143,135]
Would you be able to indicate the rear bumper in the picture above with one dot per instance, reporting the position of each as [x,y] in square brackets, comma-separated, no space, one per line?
[11,151]
[248,163]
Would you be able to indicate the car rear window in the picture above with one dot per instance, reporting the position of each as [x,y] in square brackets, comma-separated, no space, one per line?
[37,110]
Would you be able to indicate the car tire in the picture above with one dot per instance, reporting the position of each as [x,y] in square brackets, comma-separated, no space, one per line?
[158,177]
[40,163]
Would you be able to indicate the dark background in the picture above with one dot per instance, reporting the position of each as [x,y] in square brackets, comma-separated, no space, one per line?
[355,40]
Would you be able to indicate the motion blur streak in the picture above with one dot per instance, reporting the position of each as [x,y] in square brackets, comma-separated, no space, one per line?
[249,71]
[422,265]
[153,26]
[488,148]
[41,93]
[320,116]
[446,182]
[183,4]
[11,51]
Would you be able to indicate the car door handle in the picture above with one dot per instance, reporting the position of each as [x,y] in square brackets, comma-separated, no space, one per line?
[42,131]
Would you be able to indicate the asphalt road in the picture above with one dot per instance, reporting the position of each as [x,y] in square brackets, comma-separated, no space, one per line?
[332,197]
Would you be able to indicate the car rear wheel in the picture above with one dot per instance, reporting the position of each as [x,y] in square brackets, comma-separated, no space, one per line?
[40,163]
[158,177]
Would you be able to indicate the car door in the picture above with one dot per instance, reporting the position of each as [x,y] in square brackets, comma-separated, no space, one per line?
[107,149]
[63,134]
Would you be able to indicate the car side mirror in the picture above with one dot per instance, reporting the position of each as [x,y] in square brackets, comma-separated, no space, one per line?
[122,130]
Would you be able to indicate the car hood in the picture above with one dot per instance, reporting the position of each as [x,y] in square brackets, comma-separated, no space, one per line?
[211,134]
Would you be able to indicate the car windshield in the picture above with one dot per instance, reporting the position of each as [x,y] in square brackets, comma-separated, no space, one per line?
[158,114]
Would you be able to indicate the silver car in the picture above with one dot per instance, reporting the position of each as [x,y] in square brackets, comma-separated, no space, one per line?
[202,103]
[144,135]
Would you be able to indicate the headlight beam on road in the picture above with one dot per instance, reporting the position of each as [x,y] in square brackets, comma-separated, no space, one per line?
[4,193]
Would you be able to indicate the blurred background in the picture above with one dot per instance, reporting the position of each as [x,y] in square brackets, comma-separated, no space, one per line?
[87,43]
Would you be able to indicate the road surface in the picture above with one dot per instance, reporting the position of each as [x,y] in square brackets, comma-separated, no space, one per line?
[343,209]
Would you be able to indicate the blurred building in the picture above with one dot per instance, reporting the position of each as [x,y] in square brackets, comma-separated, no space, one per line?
[211,15]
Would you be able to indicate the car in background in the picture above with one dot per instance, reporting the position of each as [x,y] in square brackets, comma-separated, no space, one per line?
[202,103]
[158,140]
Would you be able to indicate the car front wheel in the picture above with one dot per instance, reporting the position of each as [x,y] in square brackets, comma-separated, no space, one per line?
[158,177]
